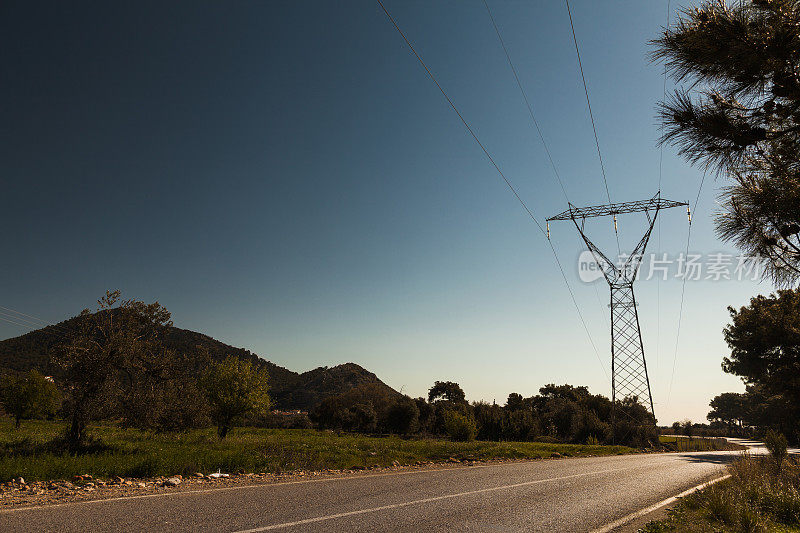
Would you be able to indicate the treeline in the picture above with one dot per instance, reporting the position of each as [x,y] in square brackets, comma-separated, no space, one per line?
[559,413]
[115,365]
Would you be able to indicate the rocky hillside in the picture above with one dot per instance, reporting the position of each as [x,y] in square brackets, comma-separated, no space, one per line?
[289,390]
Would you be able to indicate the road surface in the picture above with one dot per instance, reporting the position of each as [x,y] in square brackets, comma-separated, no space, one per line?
[580,494]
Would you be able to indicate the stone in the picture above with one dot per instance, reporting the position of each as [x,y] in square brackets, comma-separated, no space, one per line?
[199,474]
[118,480]
[20,480]
[555,455]
[217,475]
[395,463]
[141,485]
[454,460]
[172,481]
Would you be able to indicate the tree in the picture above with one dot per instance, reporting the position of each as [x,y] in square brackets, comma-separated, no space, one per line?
[235,388]
[448,391]
[740,116]
[514,402]
[402,416]
[29,396]
[729,408]
[109,356]
[764,338]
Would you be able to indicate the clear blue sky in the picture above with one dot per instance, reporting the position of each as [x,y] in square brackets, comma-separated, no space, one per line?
[283,176]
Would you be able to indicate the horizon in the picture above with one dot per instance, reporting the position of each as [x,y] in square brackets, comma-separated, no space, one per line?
[297,186]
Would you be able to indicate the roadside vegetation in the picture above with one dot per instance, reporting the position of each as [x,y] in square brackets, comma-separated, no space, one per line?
[34,453]
[762,494]
[697,444]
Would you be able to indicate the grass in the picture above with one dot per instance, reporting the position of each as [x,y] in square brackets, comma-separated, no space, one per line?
[29,451]
[698,444]
[756,498]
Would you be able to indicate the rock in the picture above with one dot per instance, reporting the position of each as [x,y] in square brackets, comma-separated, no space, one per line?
[77,479]
[217,475]
[395,463]
[172,481]
[141,485]
[453,460]
[89,485]
[127,482]
[372,454]
[118,480]
[555,455]
[20,480]
[68,485]
[53,486]
[199,474]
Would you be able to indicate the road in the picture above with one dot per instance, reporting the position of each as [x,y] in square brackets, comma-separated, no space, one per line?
[579,494]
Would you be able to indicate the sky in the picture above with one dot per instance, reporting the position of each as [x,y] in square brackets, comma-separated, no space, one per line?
[284,177]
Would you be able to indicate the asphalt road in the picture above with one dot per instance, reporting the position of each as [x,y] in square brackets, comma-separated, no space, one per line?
[579,494]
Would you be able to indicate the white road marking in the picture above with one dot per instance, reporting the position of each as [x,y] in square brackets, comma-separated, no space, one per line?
[647,510]
[432,499]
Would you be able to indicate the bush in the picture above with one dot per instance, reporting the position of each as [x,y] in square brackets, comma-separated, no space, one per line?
[776,444]
[459,427]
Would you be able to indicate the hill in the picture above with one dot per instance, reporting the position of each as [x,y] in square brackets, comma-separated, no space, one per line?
[289,390]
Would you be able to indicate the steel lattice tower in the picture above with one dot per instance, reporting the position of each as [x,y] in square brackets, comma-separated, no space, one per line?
[628,365]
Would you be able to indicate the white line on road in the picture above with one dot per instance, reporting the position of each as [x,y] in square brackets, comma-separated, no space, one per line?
[647,510]
[428,500]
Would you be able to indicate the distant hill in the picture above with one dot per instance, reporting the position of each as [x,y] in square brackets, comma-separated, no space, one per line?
[288,389]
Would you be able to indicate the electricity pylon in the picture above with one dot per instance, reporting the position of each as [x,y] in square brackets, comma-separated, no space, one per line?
[628,365]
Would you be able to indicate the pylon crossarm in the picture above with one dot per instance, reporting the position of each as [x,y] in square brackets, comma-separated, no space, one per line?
[616,209]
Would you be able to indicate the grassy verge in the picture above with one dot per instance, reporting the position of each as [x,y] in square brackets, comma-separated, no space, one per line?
[27,452]
[698,444]
[754,499]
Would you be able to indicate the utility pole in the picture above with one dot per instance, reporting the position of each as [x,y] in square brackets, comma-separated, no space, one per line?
[628,365]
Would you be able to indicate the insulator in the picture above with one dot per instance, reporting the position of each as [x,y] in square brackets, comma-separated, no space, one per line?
[615,223]
[689,214]
[548,231]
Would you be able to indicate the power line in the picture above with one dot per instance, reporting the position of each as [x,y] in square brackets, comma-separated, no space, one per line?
[33,321]
[10,321]
[539,131]
[497,168]
[463,121]
[683,289]
[660,165]
[527,102]
[588,102]
[591,115]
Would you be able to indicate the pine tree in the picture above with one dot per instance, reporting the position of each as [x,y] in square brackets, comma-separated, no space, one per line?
[739,115]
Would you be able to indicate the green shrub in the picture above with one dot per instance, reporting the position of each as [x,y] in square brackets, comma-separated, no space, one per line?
[459,427]
[776,444]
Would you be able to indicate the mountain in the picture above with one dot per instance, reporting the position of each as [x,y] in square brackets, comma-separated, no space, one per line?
[288,389]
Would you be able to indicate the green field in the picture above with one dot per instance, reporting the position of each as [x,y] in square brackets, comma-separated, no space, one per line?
[28,451]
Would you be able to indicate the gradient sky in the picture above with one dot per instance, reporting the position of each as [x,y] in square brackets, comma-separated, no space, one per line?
[284,177]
